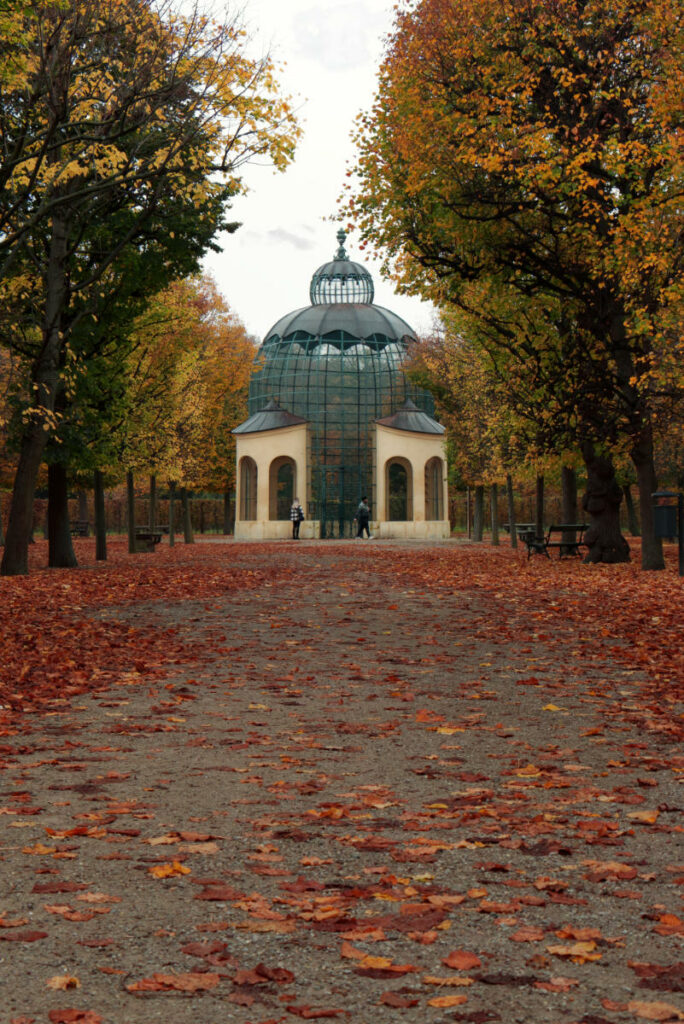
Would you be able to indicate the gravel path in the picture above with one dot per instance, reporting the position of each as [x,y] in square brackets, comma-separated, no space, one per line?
[356,796]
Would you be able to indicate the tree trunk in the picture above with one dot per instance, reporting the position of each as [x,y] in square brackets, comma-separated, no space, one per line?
[643,459]
[632,518]
[601,502]
[511,511]
[60,549]
[569,503]
[569,494]
[478,515]
[130,505]
[227,519]
[83,510]
[494,513]
[153,502]
[100,520]
[45,385]
[539,507]
[172,513]
[187,519]
[20,522]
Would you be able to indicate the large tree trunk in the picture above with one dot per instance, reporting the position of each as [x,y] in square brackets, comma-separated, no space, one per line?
[172,513]
[643,459]
[130,505]
[478,514]
[20,522]
[45,379]
[494,513]
[601,502]
[539,507]
[511,510]
[60,549]
[100,519]
[187,518]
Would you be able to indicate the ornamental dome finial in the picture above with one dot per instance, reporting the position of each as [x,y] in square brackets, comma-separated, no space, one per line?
[341,253]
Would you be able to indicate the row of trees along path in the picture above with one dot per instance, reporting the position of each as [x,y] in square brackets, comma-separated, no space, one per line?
[124,131]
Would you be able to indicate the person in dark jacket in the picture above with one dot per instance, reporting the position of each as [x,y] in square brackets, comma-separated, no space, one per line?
[296,516]
[363,518]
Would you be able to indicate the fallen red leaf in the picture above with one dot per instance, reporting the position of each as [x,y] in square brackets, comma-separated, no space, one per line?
[74,1017]
[308,1013]
[190,982]
[399,1002]
[460,960]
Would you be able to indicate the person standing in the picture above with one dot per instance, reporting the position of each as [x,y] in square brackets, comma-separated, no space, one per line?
[363,518]
[296,516]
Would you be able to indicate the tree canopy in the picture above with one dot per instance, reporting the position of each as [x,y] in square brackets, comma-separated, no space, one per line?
[120,120]
[521,164]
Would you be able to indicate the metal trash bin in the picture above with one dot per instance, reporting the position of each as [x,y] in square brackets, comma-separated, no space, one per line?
[665,514]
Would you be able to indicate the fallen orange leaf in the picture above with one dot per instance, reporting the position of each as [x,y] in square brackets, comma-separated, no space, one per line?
[62,982]
[655,1011]
[172,870]
[447,1001]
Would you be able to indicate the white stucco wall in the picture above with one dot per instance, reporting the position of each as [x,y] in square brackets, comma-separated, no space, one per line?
[416,449]
[264,447]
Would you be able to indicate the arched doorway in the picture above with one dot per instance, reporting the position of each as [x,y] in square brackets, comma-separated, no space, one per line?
[281,490]
[434,489]
[248,489]
[399,490]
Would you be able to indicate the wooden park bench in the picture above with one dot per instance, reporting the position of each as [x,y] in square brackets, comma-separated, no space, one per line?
[527,535]
[80,528]
[146,538]
[571,539]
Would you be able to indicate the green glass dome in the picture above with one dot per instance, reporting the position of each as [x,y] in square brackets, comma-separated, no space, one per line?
[338,364]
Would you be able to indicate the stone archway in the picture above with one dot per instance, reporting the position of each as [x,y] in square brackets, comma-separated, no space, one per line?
[281,487]
[399,490]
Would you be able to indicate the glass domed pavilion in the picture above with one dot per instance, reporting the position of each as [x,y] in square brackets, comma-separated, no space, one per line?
[333,417]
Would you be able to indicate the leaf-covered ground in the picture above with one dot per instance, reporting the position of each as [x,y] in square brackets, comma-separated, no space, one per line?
[364,781]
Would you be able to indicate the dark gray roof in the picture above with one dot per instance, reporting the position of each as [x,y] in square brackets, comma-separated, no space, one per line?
[409,417]
[357,320]
[271,417]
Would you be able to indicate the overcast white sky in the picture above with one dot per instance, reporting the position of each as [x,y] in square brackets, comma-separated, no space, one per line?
[332,49]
